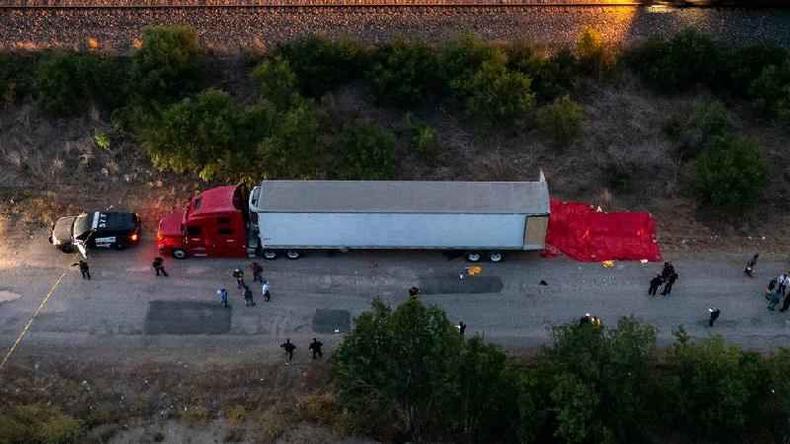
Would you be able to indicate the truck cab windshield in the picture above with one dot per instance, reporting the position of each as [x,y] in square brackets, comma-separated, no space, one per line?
[82,226]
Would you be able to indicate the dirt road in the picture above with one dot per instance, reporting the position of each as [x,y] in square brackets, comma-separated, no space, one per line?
[126,313]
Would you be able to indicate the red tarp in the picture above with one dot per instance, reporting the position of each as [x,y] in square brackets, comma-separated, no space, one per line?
[584,234]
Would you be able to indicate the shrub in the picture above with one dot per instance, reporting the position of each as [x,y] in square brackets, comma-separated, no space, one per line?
[745,64]
[68,83]
[322,65]
[293,149]
[364,151]
[694,132]
[199,134]
[17,76]
[404,73]
[687,59]
[730,174]
[166,68]
[38,424]
[497,95]
[561,120]
[771,91]
[424,139]
[593,56]
[717,390]
[277,82]
[462,58]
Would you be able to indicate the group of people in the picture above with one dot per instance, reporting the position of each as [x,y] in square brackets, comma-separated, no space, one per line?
[667,278]
[778,288]
[246,291]
[315,348]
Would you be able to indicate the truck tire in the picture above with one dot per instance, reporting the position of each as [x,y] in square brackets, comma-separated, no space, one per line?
[495,256]
[473,256]
[293,254]
[269,255]
[179,253]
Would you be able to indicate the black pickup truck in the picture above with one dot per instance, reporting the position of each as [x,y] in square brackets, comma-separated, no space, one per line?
[96,229]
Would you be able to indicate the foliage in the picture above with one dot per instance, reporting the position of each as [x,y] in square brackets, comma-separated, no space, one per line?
[38,424]
[17,76]
[423,137]
[697,130]
[404,73]
[592,384]
[718,390]
[730,174]
[199,134]
[593,57]
[552,77]
[745,64]
[277,81]
[364,151]
[497,95]
[561,120]
[101,139]
[321,65]
[771,90]
[166,68]
[68,83]
[687,59]
[462,58]
[293,149]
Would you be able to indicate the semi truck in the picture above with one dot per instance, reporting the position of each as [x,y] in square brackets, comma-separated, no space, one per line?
[287,218]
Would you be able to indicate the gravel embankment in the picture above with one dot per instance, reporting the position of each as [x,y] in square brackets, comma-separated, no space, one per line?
[227,30]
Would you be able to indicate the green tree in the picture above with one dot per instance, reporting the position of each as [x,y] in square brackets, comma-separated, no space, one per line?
[277,82]
[404,73]
[697,130]
[497,95]
[594,58]
[17,76]
[321,65]
[166,68]
[198,134]
[293,150]
[561,120]
[396,367]
[716,390]
[771,91]
[730,174]
[364,151]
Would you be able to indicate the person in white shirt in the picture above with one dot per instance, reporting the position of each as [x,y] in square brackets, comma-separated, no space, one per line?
[267,296]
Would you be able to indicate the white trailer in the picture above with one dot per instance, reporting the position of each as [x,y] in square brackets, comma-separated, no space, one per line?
[480,218]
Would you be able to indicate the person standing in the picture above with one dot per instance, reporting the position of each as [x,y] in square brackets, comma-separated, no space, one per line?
[315,347]
[289,349]
[159,266]
[654,284]
[85,270]
[668,286]
[414,292]
[750,264]
[713,314]
[239,276]
[462,328]
[782,284]
[223,297]
[267,296]
[248,297]
[668,270]
[774,297]
[257,271]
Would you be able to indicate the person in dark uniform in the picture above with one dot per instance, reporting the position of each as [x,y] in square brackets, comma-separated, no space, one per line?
[749,269]
[315,347]
[595,321]
[668,270]
[461,328]
[239,275]
[248,297]
[668,286]
[713,314]
[85,270]
[159,266]
[257,272]
[654,284]
[414,292]
[289,349]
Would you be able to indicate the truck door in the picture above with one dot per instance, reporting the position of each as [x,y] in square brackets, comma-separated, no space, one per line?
[228,238]
[196,240]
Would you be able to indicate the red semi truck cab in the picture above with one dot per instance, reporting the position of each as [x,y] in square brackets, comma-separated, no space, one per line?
[214,223]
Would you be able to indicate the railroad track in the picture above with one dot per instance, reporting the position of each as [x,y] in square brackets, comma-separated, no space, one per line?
[205,4]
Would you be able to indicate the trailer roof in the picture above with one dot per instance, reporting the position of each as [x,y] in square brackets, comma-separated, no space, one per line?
[330,196]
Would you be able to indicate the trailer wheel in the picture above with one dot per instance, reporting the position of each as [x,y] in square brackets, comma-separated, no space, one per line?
[495,256]
[473,256]
[293,254]
[179,253]
[269,255]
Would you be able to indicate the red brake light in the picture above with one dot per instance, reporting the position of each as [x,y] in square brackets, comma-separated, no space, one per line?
[134,237]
